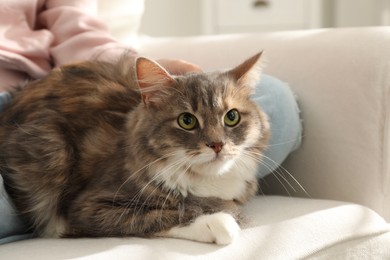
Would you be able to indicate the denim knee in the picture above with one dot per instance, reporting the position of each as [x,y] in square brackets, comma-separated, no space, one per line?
[5,97]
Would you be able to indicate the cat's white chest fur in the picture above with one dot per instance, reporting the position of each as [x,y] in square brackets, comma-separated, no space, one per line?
[228,185]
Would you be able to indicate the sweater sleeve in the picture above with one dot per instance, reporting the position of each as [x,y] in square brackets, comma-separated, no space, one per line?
[78,33]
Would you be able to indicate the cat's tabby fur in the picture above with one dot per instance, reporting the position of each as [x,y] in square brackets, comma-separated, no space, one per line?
[96,149]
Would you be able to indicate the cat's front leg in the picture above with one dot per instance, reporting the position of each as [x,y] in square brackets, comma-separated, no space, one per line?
[220,228]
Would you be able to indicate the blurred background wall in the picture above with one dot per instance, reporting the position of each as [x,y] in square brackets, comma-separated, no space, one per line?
[196,17]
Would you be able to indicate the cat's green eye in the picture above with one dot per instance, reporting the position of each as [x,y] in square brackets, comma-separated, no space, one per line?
[232,118]
[187,121]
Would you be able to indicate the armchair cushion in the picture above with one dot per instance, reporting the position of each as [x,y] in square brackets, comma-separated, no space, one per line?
[278,228]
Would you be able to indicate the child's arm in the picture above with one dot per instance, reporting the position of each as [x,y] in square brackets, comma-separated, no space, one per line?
[78,32]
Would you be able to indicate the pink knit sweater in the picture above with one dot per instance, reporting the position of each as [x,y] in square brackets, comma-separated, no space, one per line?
[37,35]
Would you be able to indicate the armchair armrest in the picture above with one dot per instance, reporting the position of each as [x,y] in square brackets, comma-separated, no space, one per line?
[342,80]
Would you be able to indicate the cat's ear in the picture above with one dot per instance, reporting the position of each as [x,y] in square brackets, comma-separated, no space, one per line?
[248,72]
[153,80]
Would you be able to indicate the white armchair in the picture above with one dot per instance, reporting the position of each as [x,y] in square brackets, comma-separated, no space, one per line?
[342,80]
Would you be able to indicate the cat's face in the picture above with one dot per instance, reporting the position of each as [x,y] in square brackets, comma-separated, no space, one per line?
[204,123]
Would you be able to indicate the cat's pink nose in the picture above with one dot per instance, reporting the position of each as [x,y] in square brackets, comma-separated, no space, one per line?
[217,147]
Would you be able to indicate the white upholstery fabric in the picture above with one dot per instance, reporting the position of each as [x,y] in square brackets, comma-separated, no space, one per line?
[278,228]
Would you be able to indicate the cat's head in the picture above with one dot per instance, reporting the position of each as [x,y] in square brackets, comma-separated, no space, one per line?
[204,123]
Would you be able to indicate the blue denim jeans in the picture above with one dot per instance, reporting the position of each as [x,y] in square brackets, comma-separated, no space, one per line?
[275,98]
[5,97]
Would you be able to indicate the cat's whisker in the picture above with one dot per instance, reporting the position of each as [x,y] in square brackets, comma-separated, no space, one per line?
[163,172]
[137,196]
[158,185]
[281,183]
[279,177]
[294,140]
[166,199]
[167,172]
[257,155]
[270,168]
[138,208]
[189,165]
[283,143]
[276,172]
[133,204]
[141,169]
[284,170]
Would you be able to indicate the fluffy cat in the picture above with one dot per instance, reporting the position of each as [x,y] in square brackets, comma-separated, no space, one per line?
[126,149]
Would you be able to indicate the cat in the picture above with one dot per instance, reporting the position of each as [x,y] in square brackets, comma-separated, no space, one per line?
[100,149]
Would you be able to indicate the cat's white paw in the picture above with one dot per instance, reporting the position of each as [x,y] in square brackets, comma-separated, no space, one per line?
[220,228]
[223,227]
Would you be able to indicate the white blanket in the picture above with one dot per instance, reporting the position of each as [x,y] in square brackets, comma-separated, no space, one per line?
[278,228]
